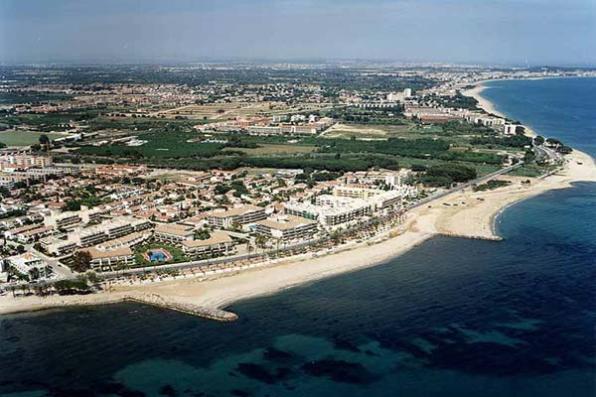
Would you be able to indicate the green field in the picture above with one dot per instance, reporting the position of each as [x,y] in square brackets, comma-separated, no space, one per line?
[32,97]
[24,138]
[266,149]
[159,145]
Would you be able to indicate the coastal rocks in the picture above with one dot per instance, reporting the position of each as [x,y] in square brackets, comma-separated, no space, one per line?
[161,302]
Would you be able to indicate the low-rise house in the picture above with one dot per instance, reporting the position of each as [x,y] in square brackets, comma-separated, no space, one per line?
[130,240]
[68,221]
[35,234]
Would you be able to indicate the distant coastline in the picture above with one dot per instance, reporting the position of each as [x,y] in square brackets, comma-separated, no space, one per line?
[489,107]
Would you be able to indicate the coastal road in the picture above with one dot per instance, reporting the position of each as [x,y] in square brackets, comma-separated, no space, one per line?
[464,186]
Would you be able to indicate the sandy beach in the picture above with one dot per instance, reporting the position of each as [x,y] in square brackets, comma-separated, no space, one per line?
[464,214]
[485,105]
[488,106]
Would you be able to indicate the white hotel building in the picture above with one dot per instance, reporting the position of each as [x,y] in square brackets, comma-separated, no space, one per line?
[347,204]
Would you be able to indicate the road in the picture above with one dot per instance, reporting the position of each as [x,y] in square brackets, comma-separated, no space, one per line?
[466,185]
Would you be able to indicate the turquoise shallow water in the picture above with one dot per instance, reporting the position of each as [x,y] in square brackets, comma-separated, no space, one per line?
[452,317]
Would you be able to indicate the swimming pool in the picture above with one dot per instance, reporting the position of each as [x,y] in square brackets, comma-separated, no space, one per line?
[157,255]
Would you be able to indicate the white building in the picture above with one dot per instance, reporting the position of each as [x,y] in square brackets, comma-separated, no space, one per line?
[330,211]
[218,244]
[225,219]
[379,199]
[27,263]
[173,233]
[287,228]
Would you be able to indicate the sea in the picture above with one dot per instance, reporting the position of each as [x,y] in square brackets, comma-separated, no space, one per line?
[452,317]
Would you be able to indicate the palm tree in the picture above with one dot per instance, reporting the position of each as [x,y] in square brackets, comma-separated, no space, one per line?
[260,240]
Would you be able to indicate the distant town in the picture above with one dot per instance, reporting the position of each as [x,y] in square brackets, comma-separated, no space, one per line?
[150,172]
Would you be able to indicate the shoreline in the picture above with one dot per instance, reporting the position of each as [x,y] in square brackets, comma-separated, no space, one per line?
[483,103]
[487,106]
[464,214]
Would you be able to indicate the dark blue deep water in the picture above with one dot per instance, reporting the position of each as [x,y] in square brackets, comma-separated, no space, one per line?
[453,317]
[564,108]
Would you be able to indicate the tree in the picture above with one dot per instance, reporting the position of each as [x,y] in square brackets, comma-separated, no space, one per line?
[260,241]
[71,286]
[44,141]
[93,277]
[202,234]
[72,205]
[34,273]
[81,261]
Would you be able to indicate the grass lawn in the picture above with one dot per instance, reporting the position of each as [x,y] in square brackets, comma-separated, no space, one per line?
[24,138]
[265,149]
[530,170]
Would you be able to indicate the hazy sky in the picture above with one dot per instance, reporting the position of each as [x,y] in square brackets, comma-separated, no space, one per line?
[485,31]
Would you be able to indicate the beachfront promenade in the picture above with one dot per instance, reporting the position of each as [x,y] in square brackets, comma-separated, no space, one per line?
[303,246]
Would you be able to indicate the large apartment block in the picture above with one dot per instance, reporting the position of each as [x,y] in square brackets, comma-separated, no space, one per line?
[379,198]
[173,233]
[331,210]
[218,244]
[109,259]
[237,215]
[287,228]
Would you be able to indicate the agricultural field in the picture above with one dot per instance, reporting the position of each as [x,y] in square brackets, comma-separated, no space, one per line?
[24,138]
[218,111]
[231,110]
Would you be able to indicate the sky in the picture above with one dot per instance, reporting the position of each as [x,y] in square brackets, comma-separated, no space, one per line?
[501,32]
